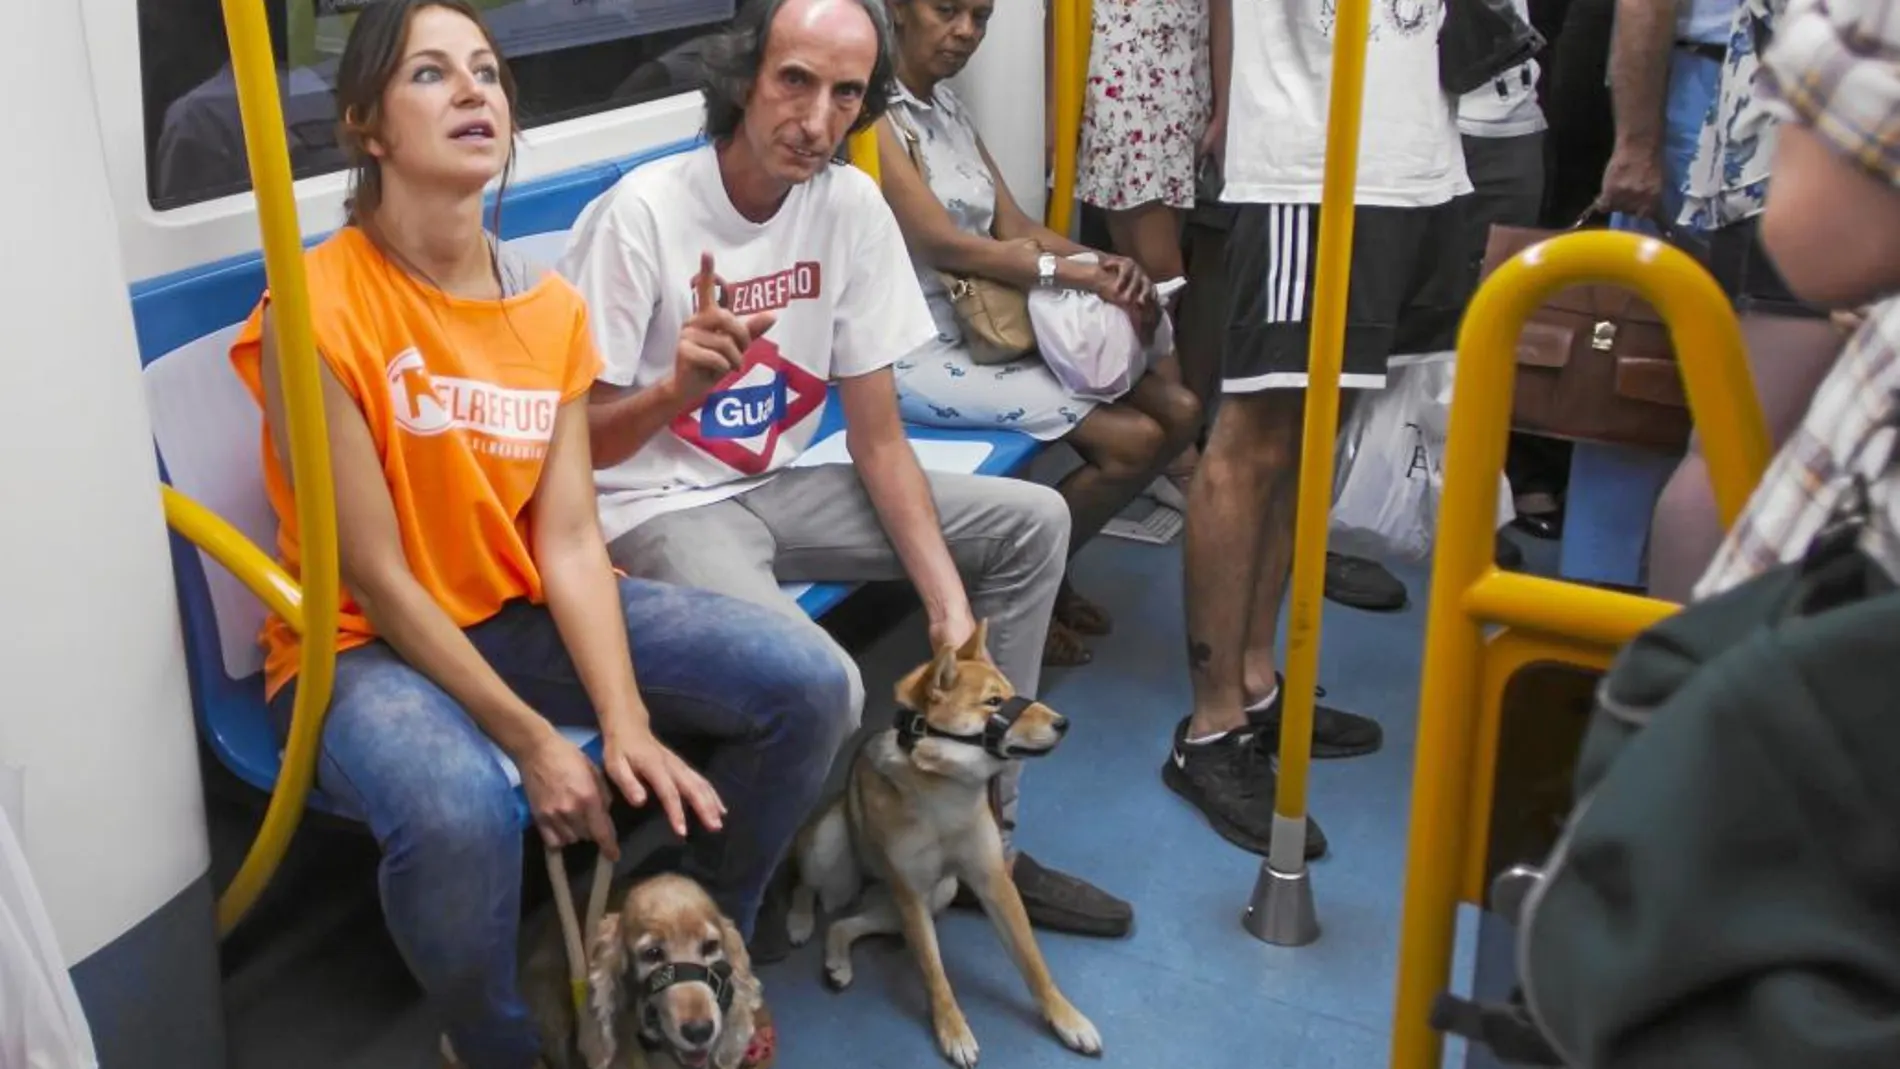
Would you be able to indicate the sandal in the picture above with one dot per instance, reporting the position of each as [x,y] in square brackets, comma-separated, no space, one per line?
[1063,648]
[1081,615]
[762,1052]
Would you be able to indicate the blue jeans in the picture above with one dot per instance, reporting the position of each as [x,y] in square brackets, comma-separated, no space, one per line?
[1693,83]
[398,753]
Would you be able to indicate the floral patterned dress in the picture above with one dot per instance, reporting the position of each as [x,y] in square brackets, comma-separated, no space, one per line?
[1146,105]
[939,385]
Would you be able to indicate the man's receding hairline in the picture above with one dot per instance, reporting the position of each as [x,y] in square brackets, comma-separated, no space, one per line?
[817,10]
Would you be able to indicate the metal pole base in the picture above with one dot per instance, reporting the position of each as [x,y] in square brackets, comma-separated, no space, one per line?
[1281,911]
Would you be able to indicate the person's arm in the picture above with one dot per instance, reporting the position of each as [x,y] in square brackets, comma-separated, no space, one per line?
[935,238]
[895,483]
[578,582]
[1640,43]
[1119,280]
[563,790]
[1831,226]
[712,345]
[1220,55]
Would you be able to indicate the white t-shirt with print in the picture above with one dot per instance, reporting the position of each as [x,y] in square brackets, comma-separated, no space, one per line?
[831,263]
[1410,154]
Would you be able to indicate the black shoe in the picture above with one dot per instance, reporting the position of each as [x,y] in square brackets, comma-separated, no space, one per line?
[1336,733]
[1060,902]
[1363,584]
[1231,781]
[1510,556]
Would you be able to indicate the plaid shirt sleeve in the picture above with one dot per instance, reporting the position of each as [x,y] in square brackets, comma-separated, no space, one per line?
[1834,67]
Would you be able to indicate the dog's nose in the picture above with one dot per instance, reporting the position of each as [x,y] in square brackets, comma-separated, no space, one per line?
[1060,723]
[698,1033]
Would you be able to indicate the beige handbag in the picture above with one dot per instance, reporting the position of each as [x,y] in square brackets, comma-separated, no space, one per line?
[995,315]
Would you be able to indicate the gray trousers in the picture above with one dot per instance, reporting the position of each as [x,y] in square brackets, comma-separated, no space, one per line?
[1009,539]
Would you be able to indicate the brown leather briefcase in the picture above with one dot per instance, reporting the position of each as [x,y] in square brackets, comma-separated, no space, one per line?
[1594,363]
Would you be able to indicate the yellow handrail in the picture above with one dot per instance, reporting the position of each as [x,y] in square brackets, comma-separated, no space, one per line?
[1071,50]
[1325,351]
[1468,592]
[314,613]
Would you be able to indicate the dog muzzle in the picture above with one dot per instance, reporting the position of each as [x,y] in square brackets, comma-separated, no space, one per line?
[717,976]
[912,727]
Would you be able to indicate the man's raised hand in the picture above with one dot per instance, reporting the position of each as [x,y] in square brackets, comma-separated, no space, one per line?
[713,341]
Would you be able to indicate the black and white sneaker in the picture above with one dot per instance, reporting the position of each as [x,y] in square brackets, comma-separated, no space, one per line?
[1231,779]
[1336,733]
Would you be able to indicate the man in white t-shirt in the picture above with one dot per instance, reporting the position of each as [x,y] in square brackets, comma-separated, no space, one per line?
[701,410]
[1410,278]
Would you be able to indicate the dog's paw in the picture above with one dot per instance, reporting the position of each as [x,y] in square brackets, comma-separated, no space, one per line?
[1076,1031]
[799,926]
[838,975]
[956,1041]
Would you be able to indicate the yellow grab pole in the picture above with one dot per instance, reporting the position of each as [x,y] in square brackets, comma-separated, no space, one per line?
[269,156]
[1281,910]
[1068,82]
[864,152]
[1465,581]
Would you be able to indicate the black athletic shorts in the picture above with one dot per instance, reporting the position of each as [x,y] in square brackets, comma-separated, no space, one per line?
[1410,279]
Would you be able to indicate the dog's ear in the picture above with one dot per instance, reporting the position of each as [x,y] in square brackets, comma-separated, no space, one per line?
[977,646]
[750,991]
[943,672]
[737,1028]
[606,967]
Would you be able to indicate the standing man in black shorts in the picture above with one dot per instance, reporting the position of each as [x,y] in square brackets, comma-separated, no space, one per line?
[1410,280]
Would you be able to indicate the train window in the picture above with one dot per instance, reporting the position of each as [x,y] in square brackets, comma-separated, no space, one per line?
[570,58]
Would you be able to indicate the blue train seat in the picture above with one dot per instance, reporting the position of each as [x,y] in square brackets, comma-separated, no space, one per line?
[207,433]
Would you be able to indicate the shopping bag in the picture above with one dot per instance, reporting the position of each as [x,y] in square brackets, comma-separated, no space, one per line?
[1390,465]
[1090,345]
[42,1025]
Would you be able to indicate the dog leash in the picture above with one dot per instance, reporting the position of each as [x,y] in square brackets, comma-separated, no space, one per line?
[571,931]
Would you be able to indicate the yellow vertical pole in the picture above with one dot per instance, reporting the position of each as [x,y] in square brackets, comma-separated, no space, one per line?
[864,152]
[1288,849]
[269,154]
[1068,122]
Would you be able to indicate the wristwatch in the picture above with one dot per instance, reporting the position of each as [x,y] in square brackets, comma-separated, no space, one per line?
[1046,270]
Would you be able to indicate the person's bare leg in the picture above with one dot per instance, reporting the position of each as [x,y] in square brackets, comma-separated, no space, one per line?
[1150,235]
[1253,446]
[1123,446]
[1789,357]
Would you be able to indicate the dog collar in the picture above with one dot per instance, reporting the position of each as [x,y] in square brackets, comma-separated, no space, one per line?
[993,739]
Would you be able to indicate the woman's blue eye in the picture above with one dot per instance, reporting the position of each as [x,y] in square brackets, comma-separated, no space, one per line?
[427,74]
[490,75]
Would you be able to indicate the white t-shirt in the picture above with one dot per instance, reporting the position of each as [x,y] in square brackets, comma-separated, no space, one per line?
[832,264]
[1409,150]
[1507,106]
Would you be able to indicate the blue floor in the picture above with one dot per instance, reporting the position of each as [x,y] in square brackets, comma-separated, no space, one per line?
[1190,987]
[1190,984]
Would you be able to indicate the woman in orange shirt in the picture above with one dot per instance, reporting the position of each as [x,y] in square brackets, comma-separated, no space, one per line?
[479,603]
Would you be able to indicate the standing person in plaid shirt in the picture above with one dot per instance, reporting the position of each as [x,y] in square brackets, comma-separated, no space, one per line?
[1832,224]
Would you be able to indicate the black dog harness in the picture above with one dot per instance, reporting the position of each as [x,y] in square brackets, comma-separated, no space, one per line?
[717,976]
[993,739]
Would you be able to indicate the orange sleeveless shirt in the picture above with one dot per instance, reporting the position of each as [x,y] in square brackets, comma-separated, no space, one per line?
[460,396]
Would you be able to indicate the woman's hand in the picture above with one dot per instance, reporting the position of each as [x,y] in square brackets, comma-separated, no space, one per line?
[640,764]
[1120,281]
[1214,140]
[566,795]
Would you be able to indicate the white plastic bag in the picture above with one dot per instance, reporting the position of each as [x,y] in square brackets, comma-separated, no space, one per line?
[1391,465]
[41,1023]
[1090,345]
